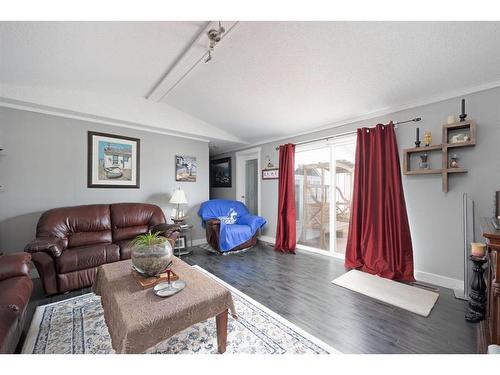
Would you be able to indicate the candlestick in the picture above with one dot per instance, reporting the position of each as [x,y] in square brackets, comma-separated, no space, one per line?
[417,141]
[463,115]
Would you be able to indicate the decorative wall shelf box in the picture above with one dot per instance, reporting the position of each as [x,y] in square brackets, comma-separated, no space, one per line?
[468,126]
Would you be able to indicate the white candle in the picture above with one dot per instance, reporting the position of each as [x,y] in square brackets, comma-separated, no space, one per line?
[478,249]
[451,119]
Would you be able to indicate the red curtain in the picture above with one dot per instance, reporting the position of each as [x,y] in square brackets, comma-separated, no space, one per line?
[379,240]
[285,231]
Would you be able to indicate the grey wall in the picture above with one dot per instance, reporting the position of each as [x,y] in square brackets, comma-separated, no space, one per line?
[44,165]
[435,217]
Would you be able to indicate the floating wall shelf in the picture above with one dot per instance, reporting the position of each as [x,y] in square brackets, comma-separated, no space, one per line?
[469,126]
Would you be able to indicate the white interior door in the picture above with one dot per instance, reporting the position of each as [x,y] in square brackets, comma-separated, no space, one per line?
[248,179]
[251,186]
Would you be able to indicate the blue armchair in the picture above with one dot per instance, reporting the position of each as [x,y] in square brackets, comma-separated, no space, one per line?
[229,225]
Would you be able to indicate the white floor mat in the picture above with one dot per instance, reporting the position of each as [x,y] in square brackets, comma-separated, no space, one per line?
[416,300]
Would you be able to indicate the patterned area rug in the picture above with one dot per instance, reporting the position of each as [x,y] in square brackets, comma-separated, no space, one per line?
[77,325]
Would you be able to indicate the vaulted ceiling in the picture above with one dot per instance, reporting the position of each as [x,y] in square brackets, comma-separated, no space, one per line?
[267,80]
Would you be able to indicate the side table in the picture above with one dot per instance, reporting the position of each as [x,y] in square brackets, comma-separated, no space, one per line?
[186,230]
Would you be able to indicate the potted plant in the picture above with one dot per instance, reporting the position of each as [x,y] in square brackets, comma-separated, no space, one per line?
[151,253]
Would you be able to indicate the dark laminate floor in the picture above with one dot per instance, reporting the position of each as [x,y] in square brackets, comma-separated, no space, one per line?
[299,288]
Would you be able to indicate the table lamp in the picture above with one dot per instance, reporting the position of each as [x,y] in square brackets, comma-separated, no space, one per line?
[178,198]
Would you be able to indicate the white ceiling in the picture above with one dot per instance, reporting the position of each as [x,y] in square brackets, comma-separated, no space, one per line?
[270,79]
[267,79]
[110,57]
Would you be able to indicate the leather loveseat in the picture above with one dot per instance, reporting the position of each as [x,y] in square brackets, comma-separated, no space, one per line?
[15,293]
[71,242]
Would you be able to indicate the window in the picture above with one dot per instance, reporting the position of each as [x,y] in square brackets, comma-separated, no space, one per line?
[323,193]
[115,159]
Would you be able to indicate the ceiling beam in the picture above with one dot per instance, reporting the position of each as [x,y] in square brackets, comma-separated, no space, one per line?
[189,59]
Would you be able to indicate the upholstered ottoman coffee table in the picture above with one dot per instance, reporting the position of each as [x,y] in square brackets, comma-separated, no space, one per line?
[137,319]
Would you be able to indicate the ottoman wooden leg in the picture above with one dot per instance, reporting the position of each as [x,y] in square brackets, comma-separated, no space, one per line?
[221,322]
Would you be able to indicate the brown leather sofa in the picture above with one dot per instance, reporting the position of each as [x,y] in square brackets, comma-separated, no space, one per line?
[71,242]
[212,231]
[15,292]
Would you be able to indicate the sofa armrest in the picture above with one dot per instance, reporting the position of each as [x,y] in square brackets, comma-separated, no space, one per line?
[167,230]
[171,231]
[13,265]
[52,245]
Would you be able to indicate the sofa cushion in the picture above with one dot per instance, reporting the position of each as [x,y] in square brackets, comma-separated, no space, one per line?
[125,249]
[16,291]
[78,225]
[9,322]
[82,257]
[76,280]
[132,219]
[14,264]
[15,294]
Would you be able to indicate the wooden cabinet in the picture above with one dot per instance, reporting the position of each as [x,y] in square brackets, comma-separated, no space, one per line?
[489,329]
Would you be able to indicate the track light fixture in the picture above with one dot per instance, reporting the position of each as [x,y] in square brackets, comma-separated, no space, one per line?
[214,37]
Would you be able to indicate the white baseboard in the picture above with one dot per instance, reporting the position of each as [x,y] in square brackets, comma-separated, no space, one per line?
[199,241]
[267,239]
[427,277]
[439,280]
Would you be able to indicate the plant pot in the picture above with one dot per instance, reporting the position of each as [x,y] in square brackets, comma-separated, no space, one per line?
[151,260]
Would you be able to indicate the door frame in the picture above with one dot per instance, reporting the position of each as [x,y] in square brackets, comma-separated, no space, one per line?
[241,158]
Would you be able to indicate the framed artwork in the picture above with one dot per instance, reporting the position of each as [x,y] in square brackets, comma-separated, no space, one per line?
[220,172]
[185,168]
[270,174]
[113,161]
[180,243]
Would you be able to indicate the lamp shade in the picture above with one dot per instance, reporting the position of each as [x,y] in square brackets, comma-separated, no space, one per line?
[179,197]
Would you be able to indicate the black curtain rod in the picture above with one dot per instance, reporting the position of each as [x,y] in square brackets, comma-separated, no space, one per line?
[416,119]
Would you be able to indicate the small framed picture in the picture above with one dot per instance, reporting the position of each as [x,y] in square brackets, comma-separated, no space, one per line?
[270,174]
[185,168]
[113,161]
[180,243]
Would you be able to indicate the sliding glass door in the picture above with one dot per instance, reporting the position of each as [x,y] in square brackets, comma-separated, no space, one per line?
[323,191]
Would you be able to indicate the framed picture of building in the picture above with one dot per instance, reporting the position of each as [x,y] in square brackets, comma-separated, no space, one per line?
[220,172]
[113,161]
[185,168]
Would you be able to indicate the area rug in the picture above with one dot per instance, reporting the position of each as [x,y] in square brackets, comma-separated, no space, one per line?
[77,325]
[414,299]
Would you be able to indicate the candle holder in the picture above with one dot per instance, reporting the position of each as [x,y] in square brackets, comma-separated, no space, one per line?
[463,115]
